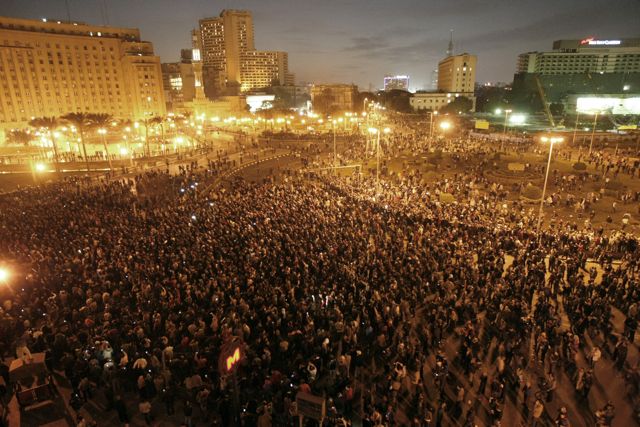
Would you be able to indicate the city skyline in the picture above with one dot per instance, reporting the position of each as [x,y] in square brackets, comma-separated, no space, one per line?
[361,42]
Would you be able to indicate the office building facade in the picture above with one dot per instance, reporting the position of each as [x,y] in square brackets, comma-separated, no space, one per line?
[396,83]
[51,68]
[589,67]
[457,73]
[230,59]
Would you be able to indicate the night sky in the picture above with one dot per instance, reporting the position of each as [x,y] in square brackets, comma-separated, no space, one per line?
[359,41]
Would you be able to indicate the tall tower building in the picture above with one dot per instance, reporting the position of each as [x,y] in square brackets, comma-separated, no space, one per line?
[210,40]
[238,40]
[450,47]
[229,57]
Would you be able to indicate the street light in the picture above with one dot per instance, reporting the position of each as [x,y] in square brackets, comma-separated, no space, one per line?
[575,128]
[445,126]
[103,132]
[593,131]
[504,127]
[431,126]
[333,126]
[4,274]
[376,132]
[551,140]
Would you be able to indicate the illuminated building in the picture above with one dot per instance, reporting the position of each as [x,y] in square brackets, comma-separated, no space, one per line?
[433,101]
[51,68]
[396,82]
[179,80]
[584,56]
[230,59]
[334,97]
[588,68]
[457,73]
[260,68]
[456,77]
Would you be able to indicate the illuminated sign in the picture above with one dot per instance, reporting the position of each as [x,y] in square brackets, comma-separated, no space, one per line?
[233,359]
[608,105]
[195,54]
[482,124]
[260,102]
[591,42]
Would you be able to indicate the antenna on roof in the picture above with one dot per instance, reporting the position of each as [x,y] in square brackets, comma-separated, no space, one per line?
[450,48]
[66,2]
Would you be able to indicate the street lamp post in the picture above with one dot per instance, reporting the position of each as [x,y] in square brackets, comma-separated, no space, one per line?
[593,131]
[102,133]
[376,132]
[504,129]
[333,126]
[551,141]
[431,127]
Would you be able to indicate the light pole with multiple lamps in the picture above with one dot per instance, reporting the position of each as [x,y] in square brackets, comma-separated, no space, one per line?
[504,126]
[593,131]
[551,140]
[333,126]
[376,132]
[431,126]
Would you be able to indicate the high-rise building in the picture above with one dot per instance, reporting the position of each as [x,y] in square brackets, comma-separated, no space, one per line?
[179,80]
[261,68]
[584,56]
[434,79]
[578,68]
[457,73]
[396,82]
[238,40]
[51,68]
[230,58]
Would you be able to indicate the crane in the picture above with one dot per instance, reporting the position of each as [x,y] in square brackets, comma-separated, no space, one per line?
[543,99]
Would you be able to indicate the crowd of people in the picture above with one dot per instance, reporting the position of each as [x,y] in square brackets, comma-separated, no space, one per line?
[395,307]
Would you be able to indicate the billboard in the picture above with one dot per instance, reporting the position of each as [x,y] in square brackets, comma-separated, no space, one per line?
[608,105]
[482,124]
[260,102]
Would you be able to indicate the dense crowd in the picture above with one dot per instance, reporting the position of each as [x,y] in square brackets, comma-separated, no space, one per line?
[397,308]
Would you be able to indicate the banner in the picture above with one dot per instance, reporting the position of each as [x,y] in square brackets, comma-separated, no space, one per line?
[482,124]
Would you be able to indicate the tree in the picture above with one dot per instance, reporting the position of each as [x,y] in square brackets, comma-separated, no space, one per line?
[490,98]
[81,121]
[49,124]
[21,137]
[159,120]
[397,100]
[101,121]
[461,103]
[360,99]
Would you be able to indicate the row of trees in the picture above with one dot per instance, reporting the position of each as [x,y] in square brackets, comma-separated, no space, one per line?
[82,122]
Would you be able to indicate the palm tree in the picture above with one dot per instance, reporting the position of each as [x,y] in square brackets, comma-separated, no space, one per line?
[49,124]
[159,120]
[22,137]
[101,121]
[82,122]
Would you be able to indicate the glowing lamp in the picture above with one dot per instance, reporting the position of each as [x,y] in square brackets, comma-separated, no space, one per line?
[233,360]
[4,274]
